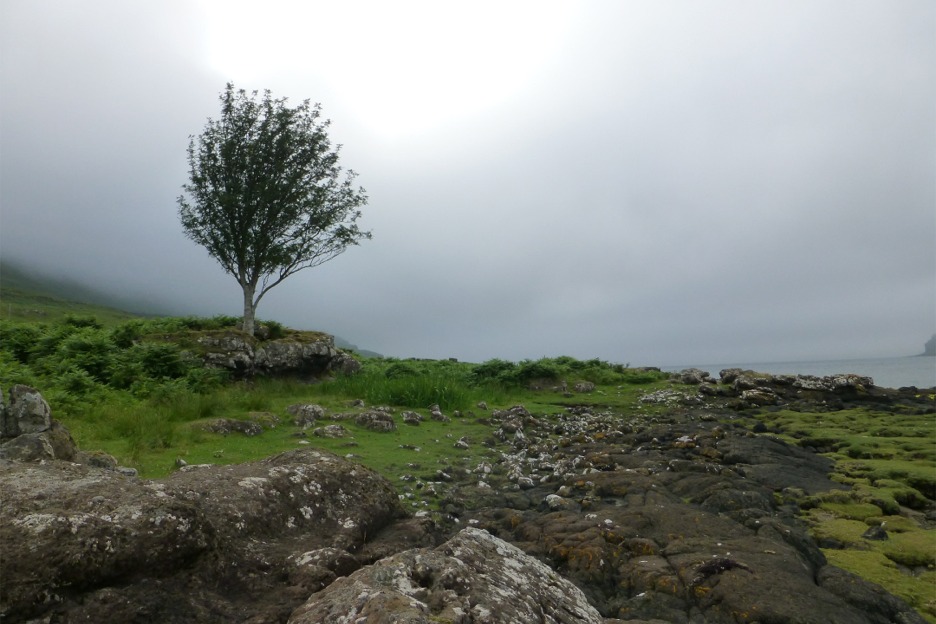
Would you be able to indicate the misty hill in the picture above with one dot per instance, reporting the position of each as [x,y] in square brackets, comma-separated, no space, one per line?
[930,348]
[28,295]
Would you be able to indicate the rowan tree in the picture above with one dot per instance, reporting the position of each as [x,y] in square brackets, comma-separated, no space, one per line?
[266,196]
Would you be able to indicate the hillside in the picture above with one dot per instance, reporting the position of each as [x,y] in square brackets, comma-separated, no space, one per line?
[26,295]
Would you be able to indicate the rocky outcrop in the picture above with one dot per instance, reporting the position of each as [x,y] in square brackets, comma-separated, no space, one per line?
[208,544]
[309,354]
[673,518]
[745,389]
[473,577]
[930,348]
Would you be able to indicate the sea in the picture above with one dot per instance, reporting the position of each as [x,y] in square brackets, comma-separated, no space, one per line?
[918,371]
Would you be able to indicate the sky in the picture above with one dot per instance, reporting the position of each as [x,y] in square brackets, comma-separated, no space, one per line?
[656,183]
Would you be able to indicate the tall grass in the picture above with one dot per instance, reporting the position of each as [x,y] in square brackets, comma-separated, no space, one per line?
[449,387]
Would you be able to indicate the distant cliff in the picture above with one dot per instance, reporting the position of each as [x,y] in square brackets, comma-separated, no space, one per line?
[930,348]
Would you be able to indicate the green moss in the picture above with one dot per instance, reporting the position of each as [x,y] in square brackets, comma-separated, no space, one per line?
[893,524]
[852,510]
[846,532]
[912,548]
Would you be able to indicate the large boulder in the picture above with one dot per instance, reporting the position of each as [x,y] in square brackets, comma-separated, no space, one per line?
[473,577]
[26,412]
[207,544]
[28,431]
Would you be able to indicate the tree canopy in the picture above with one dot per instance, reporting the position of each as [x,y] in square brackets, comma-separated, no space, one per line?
[266,195]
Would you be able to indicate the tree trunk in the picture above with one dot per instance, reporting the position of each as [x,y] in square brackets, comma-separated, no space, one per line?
[249,309]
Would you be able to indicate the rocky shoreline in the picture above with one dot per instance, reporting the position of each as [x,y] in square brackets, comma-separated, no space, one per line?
[687,514]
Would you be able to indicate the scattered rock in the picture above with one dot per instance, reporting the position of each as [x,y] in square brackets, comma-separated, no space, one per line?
[226,426]
[330,431]
[376,420]
[691,376]
[876,533]
[411,418]
[305,414]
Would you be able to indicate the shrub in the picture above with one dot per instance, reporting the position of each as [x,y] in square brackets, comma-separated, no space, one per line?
[88,349]
[400,369]
[275,330]
[493,370]
[126,334]
[18,339]
[82,321]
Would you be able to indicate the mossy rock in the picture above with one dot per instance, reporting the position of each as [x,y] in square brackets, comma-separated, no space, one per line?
[913,549]
[893,524]
[852,510]
[833,532]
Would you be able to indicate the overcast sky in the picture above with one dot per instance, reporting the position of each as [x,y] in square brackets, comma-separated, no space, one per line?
[652,182]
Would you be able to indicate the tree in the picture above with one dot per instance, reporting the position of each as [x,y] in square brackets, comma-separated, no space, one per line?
[266,194]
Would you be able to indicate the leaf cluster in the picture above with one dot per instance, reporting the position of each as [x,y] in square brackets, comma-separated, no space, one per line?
[266,195]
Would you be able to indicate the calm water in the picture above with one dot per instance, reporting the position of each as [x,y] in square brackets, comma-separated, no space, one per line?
[886,372]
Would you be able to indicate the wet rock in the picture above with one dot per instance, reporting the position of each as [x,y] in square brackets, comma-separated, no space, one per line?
[875,533]
[877,606]
[474,577]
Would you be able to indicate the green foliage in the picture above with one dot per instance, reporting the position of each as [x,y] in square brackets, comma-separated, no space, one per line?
[275,330]
[563,368]
[265,195]
[18,339]
[77,363]
[76,320]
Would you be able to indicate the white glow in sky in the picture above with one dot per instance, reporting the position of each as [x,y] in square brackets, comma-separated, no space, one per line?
[408,68]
